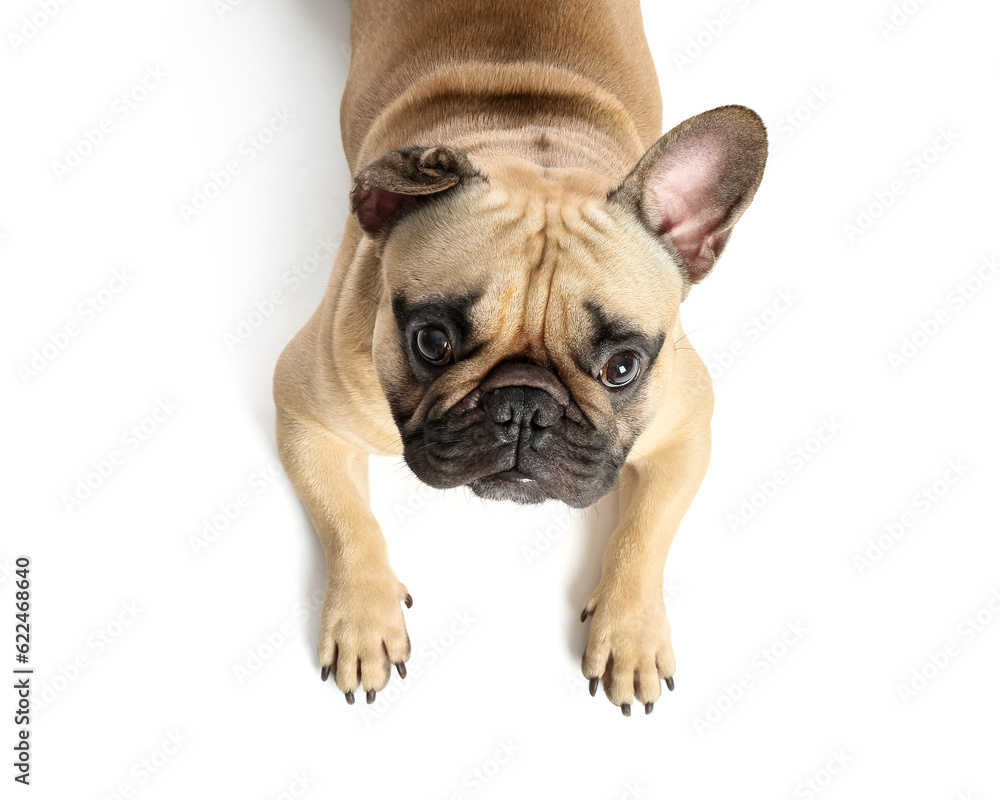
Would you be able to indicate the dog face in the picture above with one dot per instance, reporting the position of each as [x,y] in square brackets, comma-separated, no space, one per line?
[525,332]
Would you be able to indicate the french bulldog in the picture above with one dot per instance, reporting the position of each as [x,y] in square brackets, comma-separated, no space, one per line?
[504,306]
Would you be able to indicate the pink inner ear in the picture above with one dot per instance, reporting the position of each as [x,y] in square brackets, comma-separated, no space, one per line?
[682,197]
[373,206]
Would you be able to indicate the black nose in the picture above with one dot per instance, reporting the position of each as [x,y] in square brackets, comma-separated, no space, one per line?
[522,406]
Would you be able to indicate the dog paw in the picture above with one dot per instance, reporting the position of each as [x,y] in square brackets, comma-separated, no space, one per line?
[628,649]
[362,634]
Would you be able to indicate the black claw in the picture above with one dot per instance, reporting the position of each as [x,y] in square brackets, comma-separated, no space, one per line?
[670,684]
[649,708]
[626,709]
[401,669]
[324,673]
[370,697]
[350,697]
[583,615]
[593,686]
[408,600]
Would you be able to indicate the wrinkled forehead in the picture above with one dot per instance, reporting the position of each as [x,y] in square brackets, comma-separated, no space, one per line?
[461,243]
[522,261]
[607,261]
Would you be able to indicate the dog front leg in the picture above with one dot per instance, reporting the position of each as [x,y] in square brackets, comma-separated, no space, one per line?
[628,648]
[362,632]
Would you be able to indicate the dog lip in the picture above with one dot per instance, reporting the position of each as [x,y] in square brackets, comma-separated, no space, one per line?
[523,492]
[513,476]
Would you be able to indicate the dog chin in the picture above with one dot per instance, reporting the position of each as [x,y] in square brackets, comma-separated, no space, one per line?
[510,487]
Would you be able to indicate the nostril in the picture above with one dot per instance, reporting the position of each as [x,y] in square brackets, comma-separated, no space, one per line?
[500,413]
[546,415]
[499,407]
[524,407]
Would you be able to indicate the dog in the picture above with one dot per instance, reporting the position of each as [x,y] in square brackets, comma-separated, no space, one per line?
[507,292]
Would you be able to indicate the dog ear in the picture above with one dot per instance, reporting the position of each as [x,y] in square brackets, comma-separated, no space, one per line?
[692,186]
[385,189]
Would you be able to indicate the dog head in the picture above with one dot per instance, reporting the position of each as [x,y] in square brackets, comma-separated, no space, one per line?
[524,335]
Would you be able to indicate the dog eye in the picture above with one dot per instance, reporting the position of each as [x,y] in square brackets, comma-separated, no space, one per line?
[433,345]
[621,370]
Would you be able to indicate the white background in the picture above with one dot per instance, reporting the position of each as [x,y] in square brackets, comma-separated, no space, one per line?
[219,650]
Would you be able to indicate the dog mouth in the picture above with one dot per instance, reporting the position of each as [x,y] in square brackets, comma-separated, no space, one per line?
[517,437]
[514,476]
[511,485]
